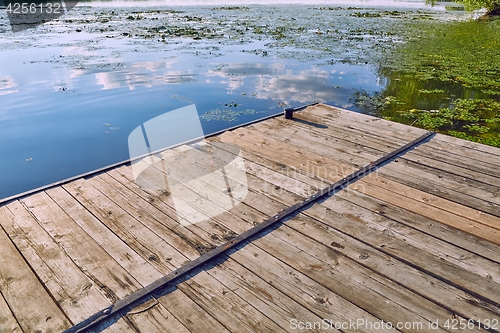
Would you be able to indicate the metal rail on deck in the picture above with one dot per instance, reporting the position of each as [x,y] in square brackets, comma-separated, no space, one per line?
[135,298]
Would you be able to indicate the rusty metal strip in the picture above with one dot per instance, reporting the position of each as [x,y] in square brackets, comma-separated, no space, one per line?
[142,294]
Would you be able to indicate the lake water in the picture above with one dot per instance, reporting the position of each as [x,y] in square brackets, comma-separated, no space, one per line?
[72,90]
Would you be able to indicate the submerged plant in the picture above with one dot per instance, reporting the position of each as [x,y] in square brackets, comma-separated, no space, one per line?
[475,120]
[459,52]
[445,79]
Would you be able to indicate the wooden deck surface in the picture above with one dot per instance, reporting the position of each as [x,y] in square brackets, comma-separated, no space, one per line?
[416,242]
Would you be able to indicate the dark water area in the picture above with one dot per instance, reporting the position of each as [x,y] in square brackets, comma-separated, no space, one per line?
[73,90]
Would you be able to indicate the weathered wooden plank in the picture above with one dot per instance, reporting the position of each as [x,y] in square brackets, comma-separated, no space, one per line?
[235,221]
[385,301]
[383,126]
[263,296]
[153,317]
[84,252]
[229,309]
[328,167]
[481,217]
[130,260]
[138,236]
[406,297]
[343,131]
[190,314]
[440,266]
[206,233]
[477,147]
[452,296]
[280,175]
[293,135]
[208,175]
[433,154]
[453,236]
[155,181]
[361,132]
[91,192]
[432,200]
[193,161]
[479,263]
[464,256]
[213,179]
[76,294]
[157,221]
[256,161]
[191,233]
[444,232]
[300,160]
[448,179]
[299,287]
[257,173]
[460,197]
[437,202]
[333,113]
[439,142]
[432,288]
[426,175]
[300,183]
[195,192]
[252,196]
[239,223]
[219,154]
[205,281]
[8,323]
[348,142]
[209,231]
[481,229]
[23,293]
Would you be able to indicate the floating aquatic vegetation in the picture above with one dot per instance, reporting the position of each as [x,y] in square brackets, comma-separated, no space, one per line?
[433,91]
[367,14]
[341,8]
[470,119]
[387,13]
[230,8]
[314,31]
[231,104]
[459,52]
[475,120]
[228,115]
[447,76]
[420,76]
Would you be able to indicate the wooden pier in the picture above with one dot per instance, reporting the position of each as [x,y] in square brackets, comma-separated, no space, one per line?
[414,244]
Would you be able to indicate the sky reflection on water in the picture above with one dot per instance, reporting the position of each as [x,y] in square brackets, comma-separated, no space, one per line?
[70,101]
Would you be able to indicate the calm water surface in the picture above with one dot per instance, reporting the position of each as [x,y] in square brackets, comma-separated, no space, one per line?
[72,91]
